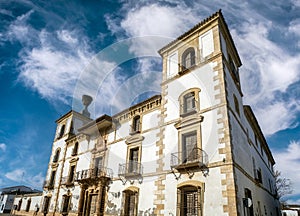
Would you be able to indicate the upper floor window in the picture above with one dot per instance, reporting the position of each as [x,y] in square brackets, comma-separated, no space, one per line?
[75,149]
[56,156]
[188,58]
[62,131]
[71,174]
[189,102]
[236,104]
[52,179]
[98,162]
[136,124]
[189,144]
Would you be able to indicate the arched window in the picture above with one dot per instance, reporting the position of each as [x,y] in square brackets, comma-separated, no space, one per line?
[62,131]
[130,201]
[189,101]
[189,200]
[188,58]
[136,124]
[56,155]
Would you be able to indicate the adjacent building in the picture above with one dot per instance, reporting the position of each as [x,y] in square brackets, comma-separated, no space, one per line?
[8,195]
[193,150]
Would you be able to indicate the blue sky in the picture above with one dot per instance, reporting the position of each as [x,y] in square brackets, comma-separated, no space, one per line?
[45,46]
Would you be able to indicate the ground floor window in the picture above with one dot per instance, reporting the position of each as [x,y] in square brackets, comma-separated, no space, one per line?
[130,200]
[19,205]
[65,204]
[28,204]
[189,201]
[46,204]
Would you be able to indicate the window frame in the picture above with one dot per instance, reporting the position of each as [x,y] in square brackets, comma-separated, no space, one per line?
[188,63]
[183,101]
[197,189]
[136,126]
[62,131]
[130,148]
[56,155]
[75,149]
[130,192]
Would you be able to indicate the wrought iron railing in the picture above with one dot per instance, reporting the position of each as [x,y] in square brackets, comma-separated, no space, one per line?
[97,172]
[196,155]
[130,168]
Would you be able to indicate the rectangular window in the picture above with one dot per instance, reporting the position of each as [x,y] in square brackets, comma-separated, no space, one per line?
[52,178]
[134,160]
[46,204]
[189,201]
[98,166]
[248,203]
[136,124]
[206,43]
[71,174]
[172,64]
[65,205]
[189,144]
[130,203]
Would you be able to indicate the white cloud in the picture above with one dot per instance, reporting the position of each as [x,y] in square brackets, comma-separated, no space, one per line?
[268,70]
[3,147]
[67,37]
[21,176]
[19,29]
[15,175]
[288,163]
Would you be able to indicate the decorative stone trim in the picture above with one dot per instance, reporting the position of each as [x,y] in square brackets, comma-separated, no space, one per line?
[143,107]
[133,139]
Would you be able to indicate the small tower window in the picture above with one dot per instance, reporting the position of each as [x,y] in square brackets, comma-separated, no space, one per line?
[62,131]
[188,58]
[75,149]
[189,102]
[56,156]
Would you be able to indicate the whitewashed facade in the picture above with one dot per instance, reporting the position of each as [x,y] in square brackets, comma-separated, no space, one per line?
[193,150]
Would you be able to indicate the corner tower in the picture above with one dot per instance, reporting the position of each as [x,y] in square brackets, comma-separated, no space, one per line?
[195,115]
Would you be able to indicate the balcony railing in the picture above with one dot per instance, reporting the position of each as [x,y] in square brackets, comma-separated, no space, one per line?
[131,169]
[196,157]
[48,184]
[95,173]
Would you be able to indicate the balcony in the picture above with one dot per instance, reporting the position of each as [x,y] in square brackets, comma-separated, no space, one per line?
[93,175]
[196,159]
[130,171]
[48,185]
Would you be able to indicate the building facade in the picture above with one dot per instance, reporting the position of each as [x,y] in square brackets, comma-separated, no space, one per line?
[195,149]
